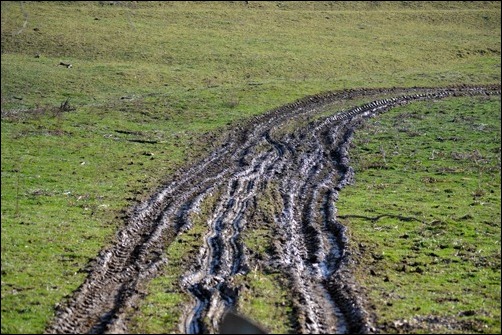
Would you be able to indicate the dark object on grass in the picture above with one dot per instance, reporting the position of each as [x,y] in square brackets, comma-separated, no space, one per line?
[233,323]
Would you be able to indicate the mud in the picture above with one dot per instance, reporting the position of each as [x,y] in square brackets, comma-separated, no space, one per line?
[309,165]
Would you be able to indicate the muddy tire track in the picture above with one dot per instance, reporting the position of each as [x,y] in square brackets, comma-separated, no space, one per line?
[310,165]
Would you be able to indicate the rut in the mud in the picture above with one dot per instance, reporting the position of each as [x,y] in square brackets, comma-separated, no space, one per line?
[310,165]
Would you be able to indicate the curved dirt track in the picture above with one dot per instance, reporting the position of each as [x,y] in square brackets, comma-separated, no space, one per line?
[308,164]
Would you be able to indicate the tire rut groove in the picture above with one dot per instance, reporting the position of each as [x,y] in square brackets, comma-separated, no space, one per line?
[310,165]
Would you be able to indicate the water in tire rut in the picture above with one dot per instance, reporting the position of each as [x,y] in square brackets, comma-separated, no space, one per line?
[309,164]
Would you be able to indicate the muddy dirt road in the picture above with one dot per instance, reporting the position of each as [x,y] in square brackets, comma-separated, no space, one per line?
[306,158]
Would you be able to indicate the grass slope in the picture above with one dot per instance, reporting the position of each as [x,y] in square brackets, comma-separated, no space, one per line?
[425,216]
[154,83]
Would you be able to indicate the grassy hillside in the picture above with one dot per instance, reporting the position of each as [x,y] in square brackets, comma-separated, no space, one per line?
[428,233]
[151,87]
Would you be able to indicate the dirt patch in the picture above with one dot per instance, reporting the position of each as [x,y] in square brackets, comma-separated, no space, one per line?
[310,165]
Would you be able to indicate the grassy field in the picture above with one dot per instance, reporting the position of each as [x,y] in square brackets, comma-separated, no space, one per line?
[153,85]
[427,237]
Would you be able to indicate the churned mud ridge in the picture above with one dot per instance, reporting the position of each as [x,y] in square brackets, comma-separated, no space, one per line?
[308,163]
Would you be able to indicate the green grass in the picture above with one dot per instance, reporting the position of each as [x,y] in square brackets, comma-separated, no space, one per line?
[64,188]
[265,299]
[264,290]
[259,57]
[437,164]
[161,311]
[176,74]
